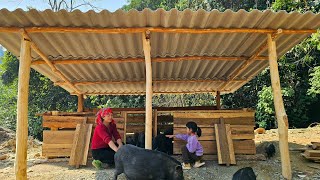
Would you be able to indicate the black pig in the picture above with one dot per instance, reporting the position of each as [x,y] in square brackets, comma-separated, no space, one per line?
[244,174]
[270,150]
[138,163]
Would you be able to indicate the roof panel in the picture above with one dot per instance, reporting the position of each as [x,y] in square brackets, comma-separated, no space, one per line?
[94,46]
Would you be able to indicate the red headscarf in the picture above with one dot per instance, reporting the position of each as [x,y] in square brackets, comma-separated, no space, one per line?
[102,113]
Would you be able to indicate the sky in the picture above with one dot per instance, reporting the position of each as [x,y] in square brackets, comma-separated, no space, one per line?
[43,4]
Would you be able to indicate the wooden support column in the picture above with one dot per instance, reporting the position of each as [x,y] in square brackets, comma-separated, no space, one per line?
[22,110]
[155,123]
[148,123]
[80,103]
[218,100]
[281,115]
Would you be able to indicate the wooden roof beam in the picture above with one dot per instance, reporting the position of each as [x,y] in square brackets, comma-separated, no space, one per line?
[143,93]
[143,82]
[49,63]
[152,29]
[248,62]
[159,59]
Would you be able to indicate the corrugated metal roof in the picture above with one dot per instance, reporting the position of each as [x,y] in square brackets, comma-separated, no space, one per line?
[101,46]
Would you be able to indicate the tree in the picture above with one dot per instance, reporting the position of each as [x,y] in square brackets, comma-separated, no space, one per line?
[69,5]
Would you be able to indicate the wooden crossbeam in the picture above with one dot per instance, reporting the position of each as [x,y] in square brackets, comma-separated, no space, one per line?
[140,60]
[152,29]
[48,62]
[249,61]
[143,92]
[79,83]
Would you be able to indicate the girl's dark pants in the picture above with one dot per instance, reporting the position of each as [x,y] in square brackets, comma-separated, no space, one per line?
[105,155]
[189,157]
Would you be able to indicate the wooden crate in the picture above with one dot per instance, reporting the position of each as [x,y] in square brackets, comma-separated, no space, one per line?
[241,125]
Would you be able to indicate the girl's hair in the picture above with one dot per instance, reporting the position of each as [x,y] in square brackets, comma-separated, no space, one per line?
[193,126]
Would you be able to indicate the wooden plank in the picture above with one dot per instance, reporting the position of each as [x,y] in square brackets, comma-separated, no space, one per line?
[76,149]
[86,144]
[205,122]
[58,137]
[312,153]
[136,119]
[222,143]
[230,144]
[282,118]
[210,147]
[56,150]
[315,145]
[70,121]
[310,158]
[80,142]
[237,132]
[133,129]
[212,115]
[22,110]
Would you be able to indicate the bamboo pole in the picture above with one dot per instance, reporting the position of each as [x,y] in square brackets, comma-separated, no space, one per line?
[159,59]
[148,123]
[152,29]
[22,110]
[279,108]
[218,100]
[80,103]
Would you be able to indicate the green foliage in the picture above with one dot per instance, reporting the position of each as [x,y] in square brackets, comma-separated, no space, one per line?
[315,82]
[9,68]
[265,115]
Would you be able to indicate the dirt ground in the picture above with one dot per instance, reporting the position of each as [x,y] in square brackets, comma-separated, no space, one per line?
[40,168]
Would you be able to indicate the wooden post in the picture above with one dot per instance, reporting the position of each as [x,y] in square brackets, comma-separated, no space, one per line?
[80,103]
[22,110]
[279,108]
[148,123]
[125,115]
[155,128]
[218,100]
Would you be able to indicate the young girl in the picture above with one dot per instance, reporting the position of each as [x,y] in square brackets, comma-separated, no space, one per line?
[193,151]
[102,146]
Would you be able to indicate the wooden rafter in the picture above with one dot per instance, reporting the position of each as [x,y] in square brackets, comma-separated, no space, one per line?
[143,92]
[143,82]
[248,62]
[49,63]
[152,29]
[161,59]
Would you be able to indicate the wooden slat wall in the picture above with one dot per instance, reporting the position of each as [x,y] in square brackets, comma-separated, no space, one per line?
[58,143]
[241,125]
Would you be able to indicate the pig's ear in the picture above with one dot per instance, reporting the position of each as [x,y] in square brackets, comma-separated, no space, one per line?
[178,168]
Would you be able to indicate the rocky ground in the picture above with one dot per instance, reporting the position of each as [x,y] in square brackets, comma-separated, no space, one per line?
[40,168]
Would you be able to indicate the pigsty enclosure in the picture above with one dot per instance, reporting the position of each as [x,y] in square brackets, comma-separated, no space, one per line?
[151,52]
[58,139]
